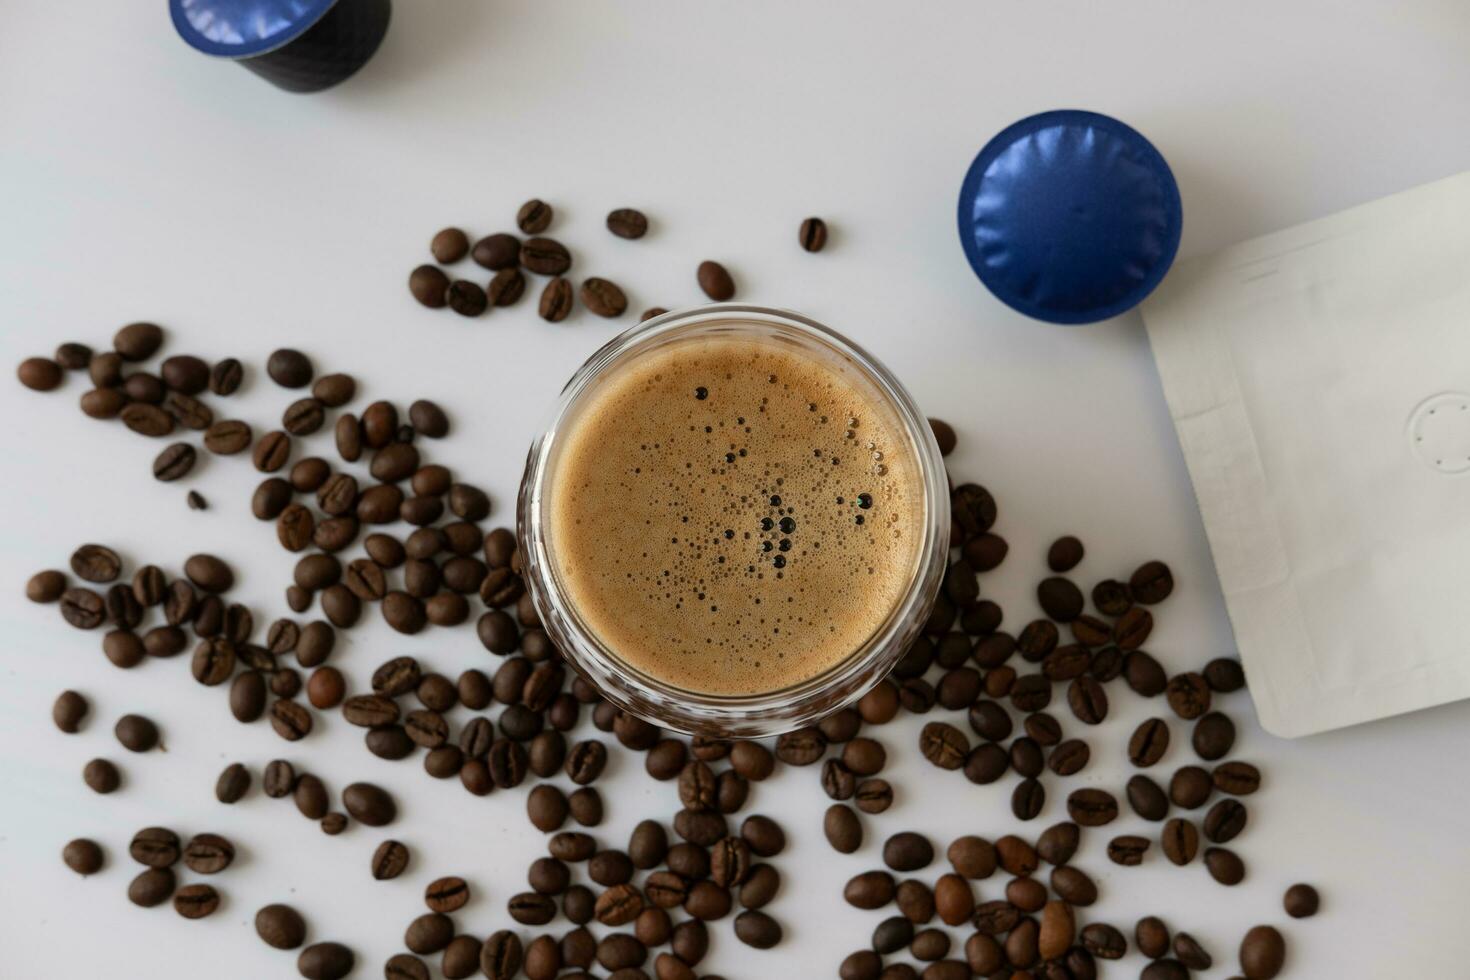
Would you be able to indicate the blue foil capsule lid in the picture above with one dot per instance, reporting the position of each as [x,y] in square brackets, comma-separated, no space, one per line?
[1070,216]
[244,28]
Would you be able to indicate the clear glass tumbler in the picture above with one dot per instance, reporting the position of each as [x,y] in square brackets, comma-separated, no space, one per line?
[763,713]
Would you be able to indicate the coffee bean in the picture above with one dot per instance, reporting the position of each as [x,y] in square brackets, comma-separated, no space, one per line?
[1236,778]
[1301,901]
[1103,941]
[290,720]
[534,216]
[155,847]
[1133,628]
[1165,969]
[585,762]
[105,369]
[1027,799]
[907,851]
[1147,798]
[506,287]
[1060,599]
[1151,583]
[1180,841]
[151,888]
[1262,953]
[862,965]
[986,764]
[1214,736]
[466,298]
[531,909]
[138,341]
[757,929]
[174,462]
[1149,742]
[69,710]
[760,887]
[428,419]
[1151,937]
[1190,787]
[1088,700]
[208,854]
[1092,807]
[556,300]
[627,223]
[1225,820]
[406,966]
[603,297]
[1144,674]
[310,797]
[96,563]
[196,500]
[1224,866]
[545,257]
[1128,850]
[247,695]
[869,890]
[227,438]
[954,901]
[944,745]
[101,776]
[429,933]
[325,961]
[73,356]
[289,368]
[651,312]
[716,282]
[892,935]
[136,733]
[1069,758]
[147,420]
[233,783]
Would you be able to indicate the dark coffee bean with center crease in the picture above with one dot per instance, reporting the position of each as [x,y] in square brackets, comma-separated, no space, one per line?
[1151,583]
[303,417]
[227,438]
[1225,820]
[1236,778]
[214,661]
[125,612]
[152,887]
[1190,787]
[406,966]
[1031,693]
[838,782]
[1147,798]
[279,779]
[534,216]
[290,720]
[1103,941]
[1060,599]
[531,909]
[155,847]
[585,762]
[289,368]
[1132,630]
[466,298]
[1128,850]
[801,747]
[1066,662]
[96,563]
[208,854]
[545,256]
[1149,742]
[1180,841]
[1092,807]
[73,356]
[944,745]
[1028,799]
[812,235]
[1069,758]
[370,710]
[716,281]
[1091,632]
[556,300]
[138,341]
[873,795]
[136,733]
[1088,700]
[174,462]
[506,287]
[603,297]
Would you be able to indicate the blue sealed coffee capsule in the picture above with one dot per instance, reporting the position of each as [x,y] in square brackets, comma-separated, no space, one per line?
[297,45]
[1070,216]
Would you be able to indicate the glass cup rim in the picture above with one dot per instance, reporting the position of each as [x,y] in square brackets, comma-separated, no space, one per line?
[766,713]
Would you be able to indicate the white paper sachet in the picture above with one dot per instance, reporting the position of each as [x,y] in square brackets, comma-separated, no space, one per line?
[1319,380]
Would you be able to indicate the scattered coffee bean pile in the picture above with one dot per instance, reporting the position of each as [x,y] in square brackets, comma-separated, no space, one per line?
[511,258]
[653,899]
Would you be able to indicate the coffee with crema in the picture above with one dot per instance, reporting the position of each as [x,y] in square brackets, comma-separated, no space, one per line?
[735,515]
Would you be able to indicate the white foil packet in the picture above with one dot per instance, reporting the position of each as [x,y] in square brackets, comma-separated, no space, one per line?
[1319,380]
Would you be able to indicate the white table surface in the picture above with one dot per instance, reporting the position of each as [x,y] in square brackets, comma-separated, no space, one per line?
[141,180]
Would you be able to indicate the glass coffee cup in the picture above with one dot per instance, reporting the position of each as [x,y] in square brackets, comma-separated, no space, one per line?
[736,521]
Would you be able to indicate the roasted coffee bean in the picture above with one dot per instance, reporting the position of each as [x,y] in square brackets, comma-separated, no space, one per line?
[1190,787]
[986,764]
[138,341]
[862,965]
[155,847]
[348,435]
[46,586]
[1147,798]
[151,888]
[1092,807]
[101,776]
[310,797]
[1188,695]
[531,909]
[214,661]
[315,645]
[545,257]
[73,356]
[648,844]
[105,369]
[174,462]
[1151,583]
[1090,631]
[869,890]
[506,287]
[1027,894]
[716,282]
[1224,866]
[369,804]
[1301,901]
[208,854]
[954,901]
[164,641]
[227,438]
[406,966]
[1073,886]
[892,935]
[627,223]
[1027,799]
[1180,841]
[991,721]
[497,252]
[1214,736]
[429,933]
[907,851]
[1165,969]
[838,782]
[289,368]
[534,216]
[1224,675]
[1060,599]
[1189,952]
[123,648]
[1066,663]
[1149,742]
[1225,820]
[1031,693]
[1088,700]
[1262,953]
[1151,937]
[1128,850]
[586,761]
[123,611]
[1026,758]
[233,783]
[1144,674]
[69,710]
[1236,778]
[290,720]
[466,298]
[944,745]
[96,563]
[436,692]
[757,929]
[279,779]
[547,808]
[136,733]
[280,926]
[1069,758]
[603,297]
[556,300]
